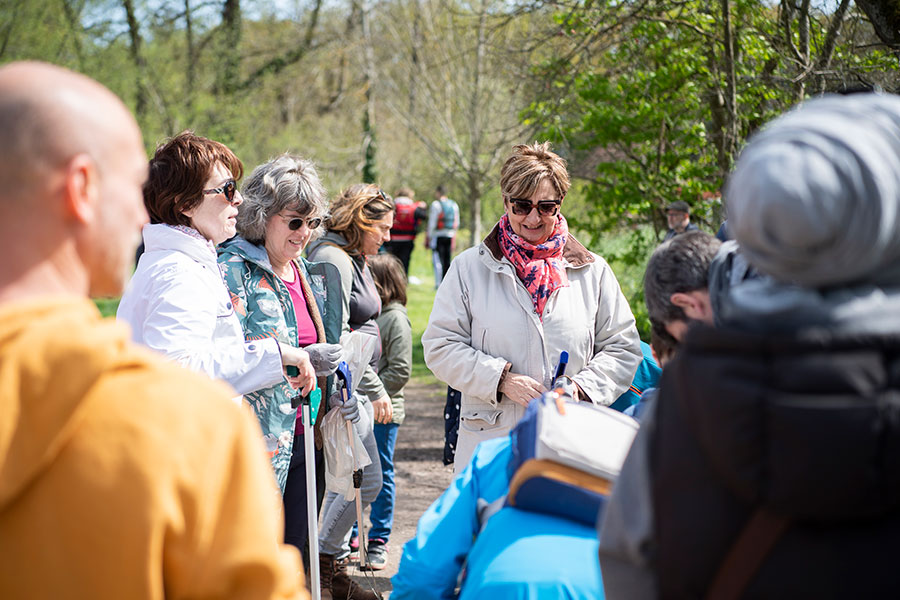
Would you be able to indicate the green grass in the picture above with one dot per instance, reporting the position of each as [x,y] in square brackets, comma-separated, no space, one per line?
[107,306]
[420,299]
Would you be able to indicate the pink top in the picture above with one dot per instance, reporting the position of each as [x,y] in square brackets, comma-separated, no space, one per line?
[306,329]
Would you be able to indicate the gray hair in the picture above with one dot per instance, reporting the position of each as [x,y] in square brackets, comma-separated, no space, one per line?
[285,182]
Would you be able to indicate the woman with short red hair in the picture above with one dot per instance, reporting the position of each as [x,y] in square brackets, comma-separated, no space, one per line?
[177,302]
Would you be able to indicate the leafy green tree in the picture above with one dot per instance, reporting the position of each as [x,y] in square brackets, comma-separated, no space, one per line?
[665,94]
[663,110]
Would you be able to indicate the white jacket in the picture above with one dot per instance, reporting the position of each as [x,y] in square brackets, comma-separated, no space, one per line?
[483,317]
[177,304]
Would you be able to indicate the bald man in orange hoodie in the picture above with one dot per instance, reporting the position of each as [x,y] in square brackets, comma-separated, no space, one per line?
[121,475]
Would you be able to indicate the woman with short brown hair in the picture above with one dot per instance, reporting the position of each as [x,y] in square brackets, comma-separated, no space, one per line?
[177,302]
[509,307]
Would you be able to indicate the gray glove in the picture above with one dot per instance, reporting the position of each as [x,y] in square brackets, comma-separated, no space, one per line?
[349,409]
[325,357]
[566,385]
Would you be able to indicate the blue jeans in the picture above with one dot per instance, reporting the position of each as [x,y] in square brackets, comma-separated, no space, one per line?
[382,513]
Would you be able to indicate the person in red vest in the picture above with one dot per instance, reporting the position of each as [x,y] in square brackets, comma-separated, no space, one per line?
[408,217]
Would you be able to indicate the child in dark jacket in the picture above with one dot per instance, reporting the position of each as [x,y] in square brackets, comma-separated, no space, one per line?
[394,369]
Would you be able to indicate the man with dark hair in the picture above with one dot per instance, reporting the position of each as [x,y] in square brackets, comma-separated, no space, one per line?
[678,215]
[688,280]
[122,475]
[676,282]
[767,469]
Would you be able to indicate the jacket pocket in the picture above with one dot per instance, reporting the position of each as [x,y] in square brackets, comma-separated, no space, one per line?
[479,339]
[480,420]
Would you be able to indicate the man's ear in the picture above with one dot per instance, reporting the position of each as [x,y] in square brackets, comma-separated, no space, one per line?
[82,188]
[687,302]
[695,304]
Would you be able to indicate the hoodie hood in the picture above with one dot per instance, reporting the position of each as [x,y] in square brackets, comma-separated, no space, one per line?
[330,237]
[238,246]
[52,352]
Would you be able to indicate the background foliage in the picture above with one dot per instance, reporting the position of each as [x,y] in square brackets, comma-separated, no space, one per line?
[649,100]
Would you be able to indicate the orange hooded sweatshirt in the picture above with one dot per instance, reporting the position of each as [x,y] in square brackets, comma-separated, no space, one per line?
[125,476]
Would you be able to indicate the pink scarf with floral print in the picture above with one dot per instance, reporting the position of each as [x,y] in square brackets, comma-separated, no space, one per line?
[541,268]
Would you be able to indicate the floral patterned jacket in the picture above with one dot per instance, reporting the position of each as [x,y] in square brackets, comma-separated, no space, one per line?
[263,305]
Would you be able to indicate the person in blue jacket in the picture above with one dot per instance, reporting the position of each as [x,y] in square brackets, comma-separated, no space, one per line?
[662,349]
[645,378]
[516,554]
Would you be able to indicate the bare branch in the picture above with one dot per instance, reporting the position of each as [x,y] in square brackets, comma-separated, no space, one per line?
[831,36]
[786,15]
[279,63]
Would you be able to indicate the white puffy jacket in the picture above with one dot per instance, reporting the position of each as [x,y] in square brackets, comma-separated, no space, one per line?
[177,304]
[483,317]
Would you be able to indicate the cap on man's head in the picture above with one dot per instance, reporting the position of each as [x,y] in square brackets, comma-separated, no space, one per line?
[815,197]
[679,206]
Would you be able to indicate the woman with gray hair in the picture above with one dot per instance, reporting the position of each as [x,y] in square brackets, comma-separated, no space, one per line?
[277,294]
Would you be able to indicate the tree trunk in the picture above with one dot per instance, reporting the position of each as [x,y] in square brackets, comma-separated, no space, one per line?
[476,123]
[417,40]
[718,111]
[137,57]
[340,78]
[370,170]
[731,130]
[74,18]
[803,46]
[190,82]
[885,18]
[823,63]
[230,71]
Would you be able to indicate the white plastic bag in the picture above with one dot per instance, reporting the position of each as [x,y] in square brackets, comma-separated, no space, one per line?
[358,350]
[339,455]
[339,458]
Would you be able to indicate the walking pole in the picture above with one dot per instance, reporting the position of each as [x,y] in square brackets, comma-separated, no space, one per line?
[313,400]
[343,373]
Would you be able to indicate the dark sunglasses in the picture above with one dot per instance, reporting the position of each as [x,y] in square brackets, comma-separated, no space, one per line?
[295,224]
[228,188]
[523,207]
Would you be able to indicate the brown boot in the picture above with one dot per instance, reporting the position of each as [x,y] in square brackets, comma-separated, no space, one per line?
[326,575]
[344,588]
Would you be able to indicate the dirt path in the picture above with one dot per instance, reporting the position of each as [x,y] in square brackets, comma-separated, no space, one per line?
[420,475]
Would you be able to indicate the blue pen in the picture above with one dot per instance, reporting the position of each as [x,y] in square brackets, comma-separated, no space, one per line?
[561,367]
